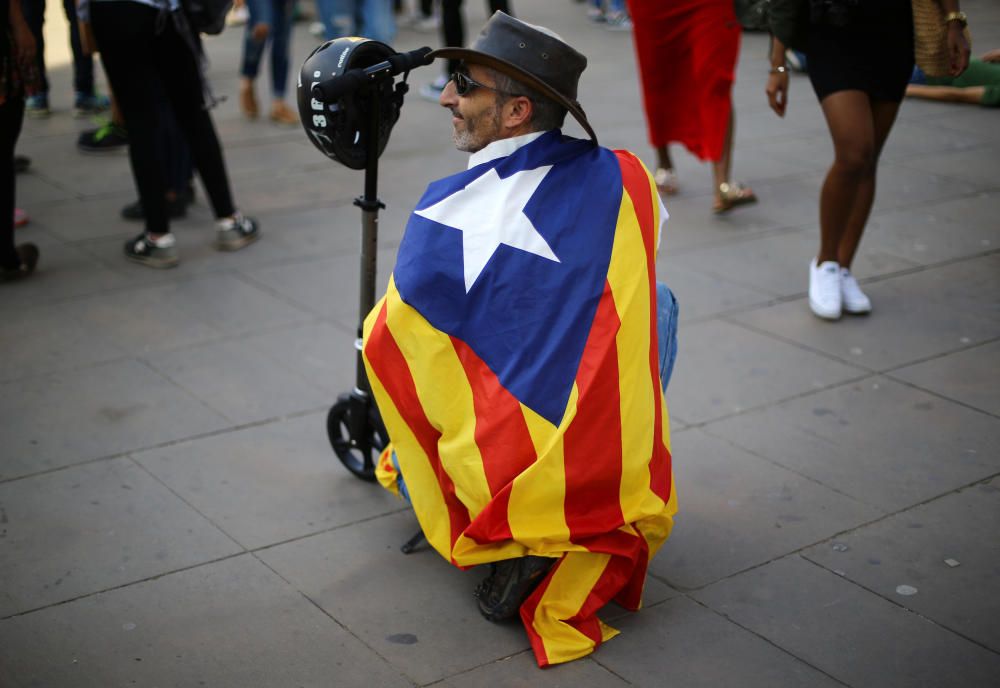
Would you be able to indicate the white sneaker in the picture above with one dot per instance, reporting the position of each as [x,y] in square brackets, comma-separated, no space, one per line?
[825,298]
[854,300]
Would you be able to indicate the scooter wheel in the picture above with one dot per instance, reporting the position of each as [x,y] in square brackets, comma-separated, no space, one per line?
[358,454]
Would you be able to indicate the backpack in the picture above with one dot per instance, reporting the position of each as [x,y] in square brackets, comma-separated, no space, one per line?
[207,16]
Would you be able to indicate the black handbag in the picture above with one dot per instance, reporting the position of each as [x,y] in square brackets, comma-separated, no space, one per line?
[207,16]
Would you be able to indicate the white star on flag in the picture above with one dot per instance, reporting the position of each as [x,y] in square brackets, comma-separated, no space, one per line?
[489,212]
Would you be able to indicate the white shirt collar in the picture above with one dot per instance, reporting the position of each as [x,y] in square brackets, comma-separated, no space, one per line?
[502,148]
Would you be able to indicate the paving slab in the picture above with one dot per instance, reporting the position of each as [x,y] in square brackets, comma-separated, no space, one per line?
[884,443]
[67,418]
[920,560]
[690,645]
[971,377]
[187,311]
[727,369]
[216,373]
[778,264]
[415,610]
[230,624]
[95,527]
[521,671]
[976,166]
[326,287]
[50,339]
[847,632]
[916,316]
[242,480]
[738,511]
[959,228]
[701,295]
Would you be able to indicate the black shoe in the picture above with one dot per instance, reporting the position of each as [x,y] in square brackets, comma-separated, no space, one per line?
[28,256]
[176,209]
[141,249]
[107,138]
[21,163]
[233,233]
[510,582]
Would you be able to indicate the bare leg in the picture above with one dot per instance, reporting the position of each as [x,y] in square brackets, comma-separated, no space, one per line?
[722,167]
[663,158]
[883,117]
[948,94]
[849,117]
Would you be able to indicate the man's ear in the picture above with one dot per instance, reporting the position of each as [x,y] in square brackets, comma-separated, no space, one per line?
[517,112]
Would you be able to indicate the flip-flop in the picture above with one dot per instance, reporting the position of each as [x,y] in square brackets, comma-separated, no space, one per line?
[666,181]
[733,195]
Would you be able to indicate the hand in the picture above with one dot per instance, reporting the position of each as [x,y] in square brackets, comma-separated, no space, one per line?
[777,92]
[958,49]
[991,56]
[87,42]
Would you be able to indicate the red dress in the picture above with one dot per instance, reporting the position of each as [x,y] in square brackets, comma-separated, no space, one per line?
[687,51]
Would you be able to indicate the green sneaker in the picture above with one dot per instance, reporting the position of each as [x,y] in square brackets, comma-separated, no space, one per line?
[109,137]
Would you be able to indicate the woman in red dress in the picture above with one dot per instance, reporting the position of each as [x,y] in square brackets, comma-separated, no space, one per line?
[687,52]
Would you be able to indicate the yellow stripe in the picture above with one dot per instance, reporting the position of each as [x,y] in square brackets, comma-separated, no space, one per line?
[535,513]
[638,392]
[567,592]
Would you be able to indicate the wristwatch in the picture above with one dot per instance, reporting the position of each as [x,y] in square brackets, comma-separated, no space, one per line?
[957,17]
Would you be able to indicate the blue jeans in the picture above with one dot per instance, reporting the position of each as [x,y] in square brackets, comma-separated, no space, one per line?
[369,18]
[277,14]
[667,311]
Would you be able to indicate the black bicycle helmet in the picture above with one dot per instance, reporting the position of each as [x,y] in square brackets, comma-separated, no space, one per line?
[340,129]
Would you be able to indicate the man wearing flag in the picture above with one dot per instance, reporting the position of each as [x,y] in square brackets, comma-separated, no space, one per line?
[514,358]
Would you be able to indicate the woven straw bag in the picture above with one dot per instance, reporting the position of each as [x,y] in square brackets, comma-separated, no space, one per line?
[930,38]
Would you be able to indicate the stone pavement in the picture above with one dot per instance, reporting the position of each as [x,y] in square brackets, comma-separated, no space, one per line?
[171,513]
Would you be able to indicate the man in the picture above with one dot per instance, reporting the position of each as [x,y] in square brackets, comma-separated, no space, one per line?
[514,357]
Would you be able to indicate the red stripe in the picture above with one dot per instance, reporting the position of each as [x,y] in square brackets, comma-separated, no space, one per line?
[501,431]
[592,448]
[636,182]
[390,367]
[528,609]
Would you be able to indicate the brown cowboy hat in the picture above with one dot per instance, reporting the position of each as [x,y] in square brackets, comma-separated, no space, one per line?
[530,54]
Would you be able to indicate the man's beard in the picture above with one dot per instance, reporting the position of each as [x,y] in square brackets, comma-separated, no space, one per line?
[479,131]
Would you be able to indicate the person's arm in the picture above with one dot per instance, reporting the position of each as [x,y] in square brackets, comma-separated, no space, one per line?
[991,56]
[958,47]
[87,42]
[777,78]
[23,39]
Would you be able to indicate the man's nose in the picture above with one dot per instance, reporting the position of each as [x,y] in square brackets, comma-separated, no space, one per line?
[449,96]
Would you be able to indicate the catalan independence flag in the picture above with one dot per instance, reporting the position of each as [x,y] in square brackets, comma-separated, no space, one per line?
[514,362]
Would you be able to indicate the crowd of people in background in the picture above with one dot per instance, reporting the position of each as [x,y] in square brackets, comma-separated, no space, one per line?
[859,69]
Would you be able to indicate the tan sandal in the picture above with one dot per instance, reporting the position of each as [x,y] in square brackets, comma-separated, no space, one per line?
[248,102]
[282,114]
[666,181]
[732,195]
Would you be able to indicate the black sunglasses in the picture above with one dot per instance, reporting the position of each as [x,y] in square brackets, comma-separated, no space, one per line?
[465,84]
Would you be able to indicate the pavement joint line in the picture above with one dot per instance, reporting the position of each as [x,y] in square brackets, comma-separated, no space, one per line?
[331,529]
[767,640]
[800,552]
[899,604]
[697,425]
[202,403]
[123,585]
[172,442]
[773,462]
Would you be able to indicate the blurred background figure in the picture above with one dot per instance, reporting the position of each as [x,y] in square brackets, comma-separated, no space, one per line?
[453,35]
[269,23]
[612,13]
[374,19]
[17,77]
[687,51]
[146,54]
[978,85]
[86,100]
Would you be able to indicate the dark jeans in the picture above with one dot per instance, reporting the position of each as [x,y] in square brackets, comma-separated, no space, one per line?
[83,65]
[138,60]
[277,14]
[11,116]
[453,23]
